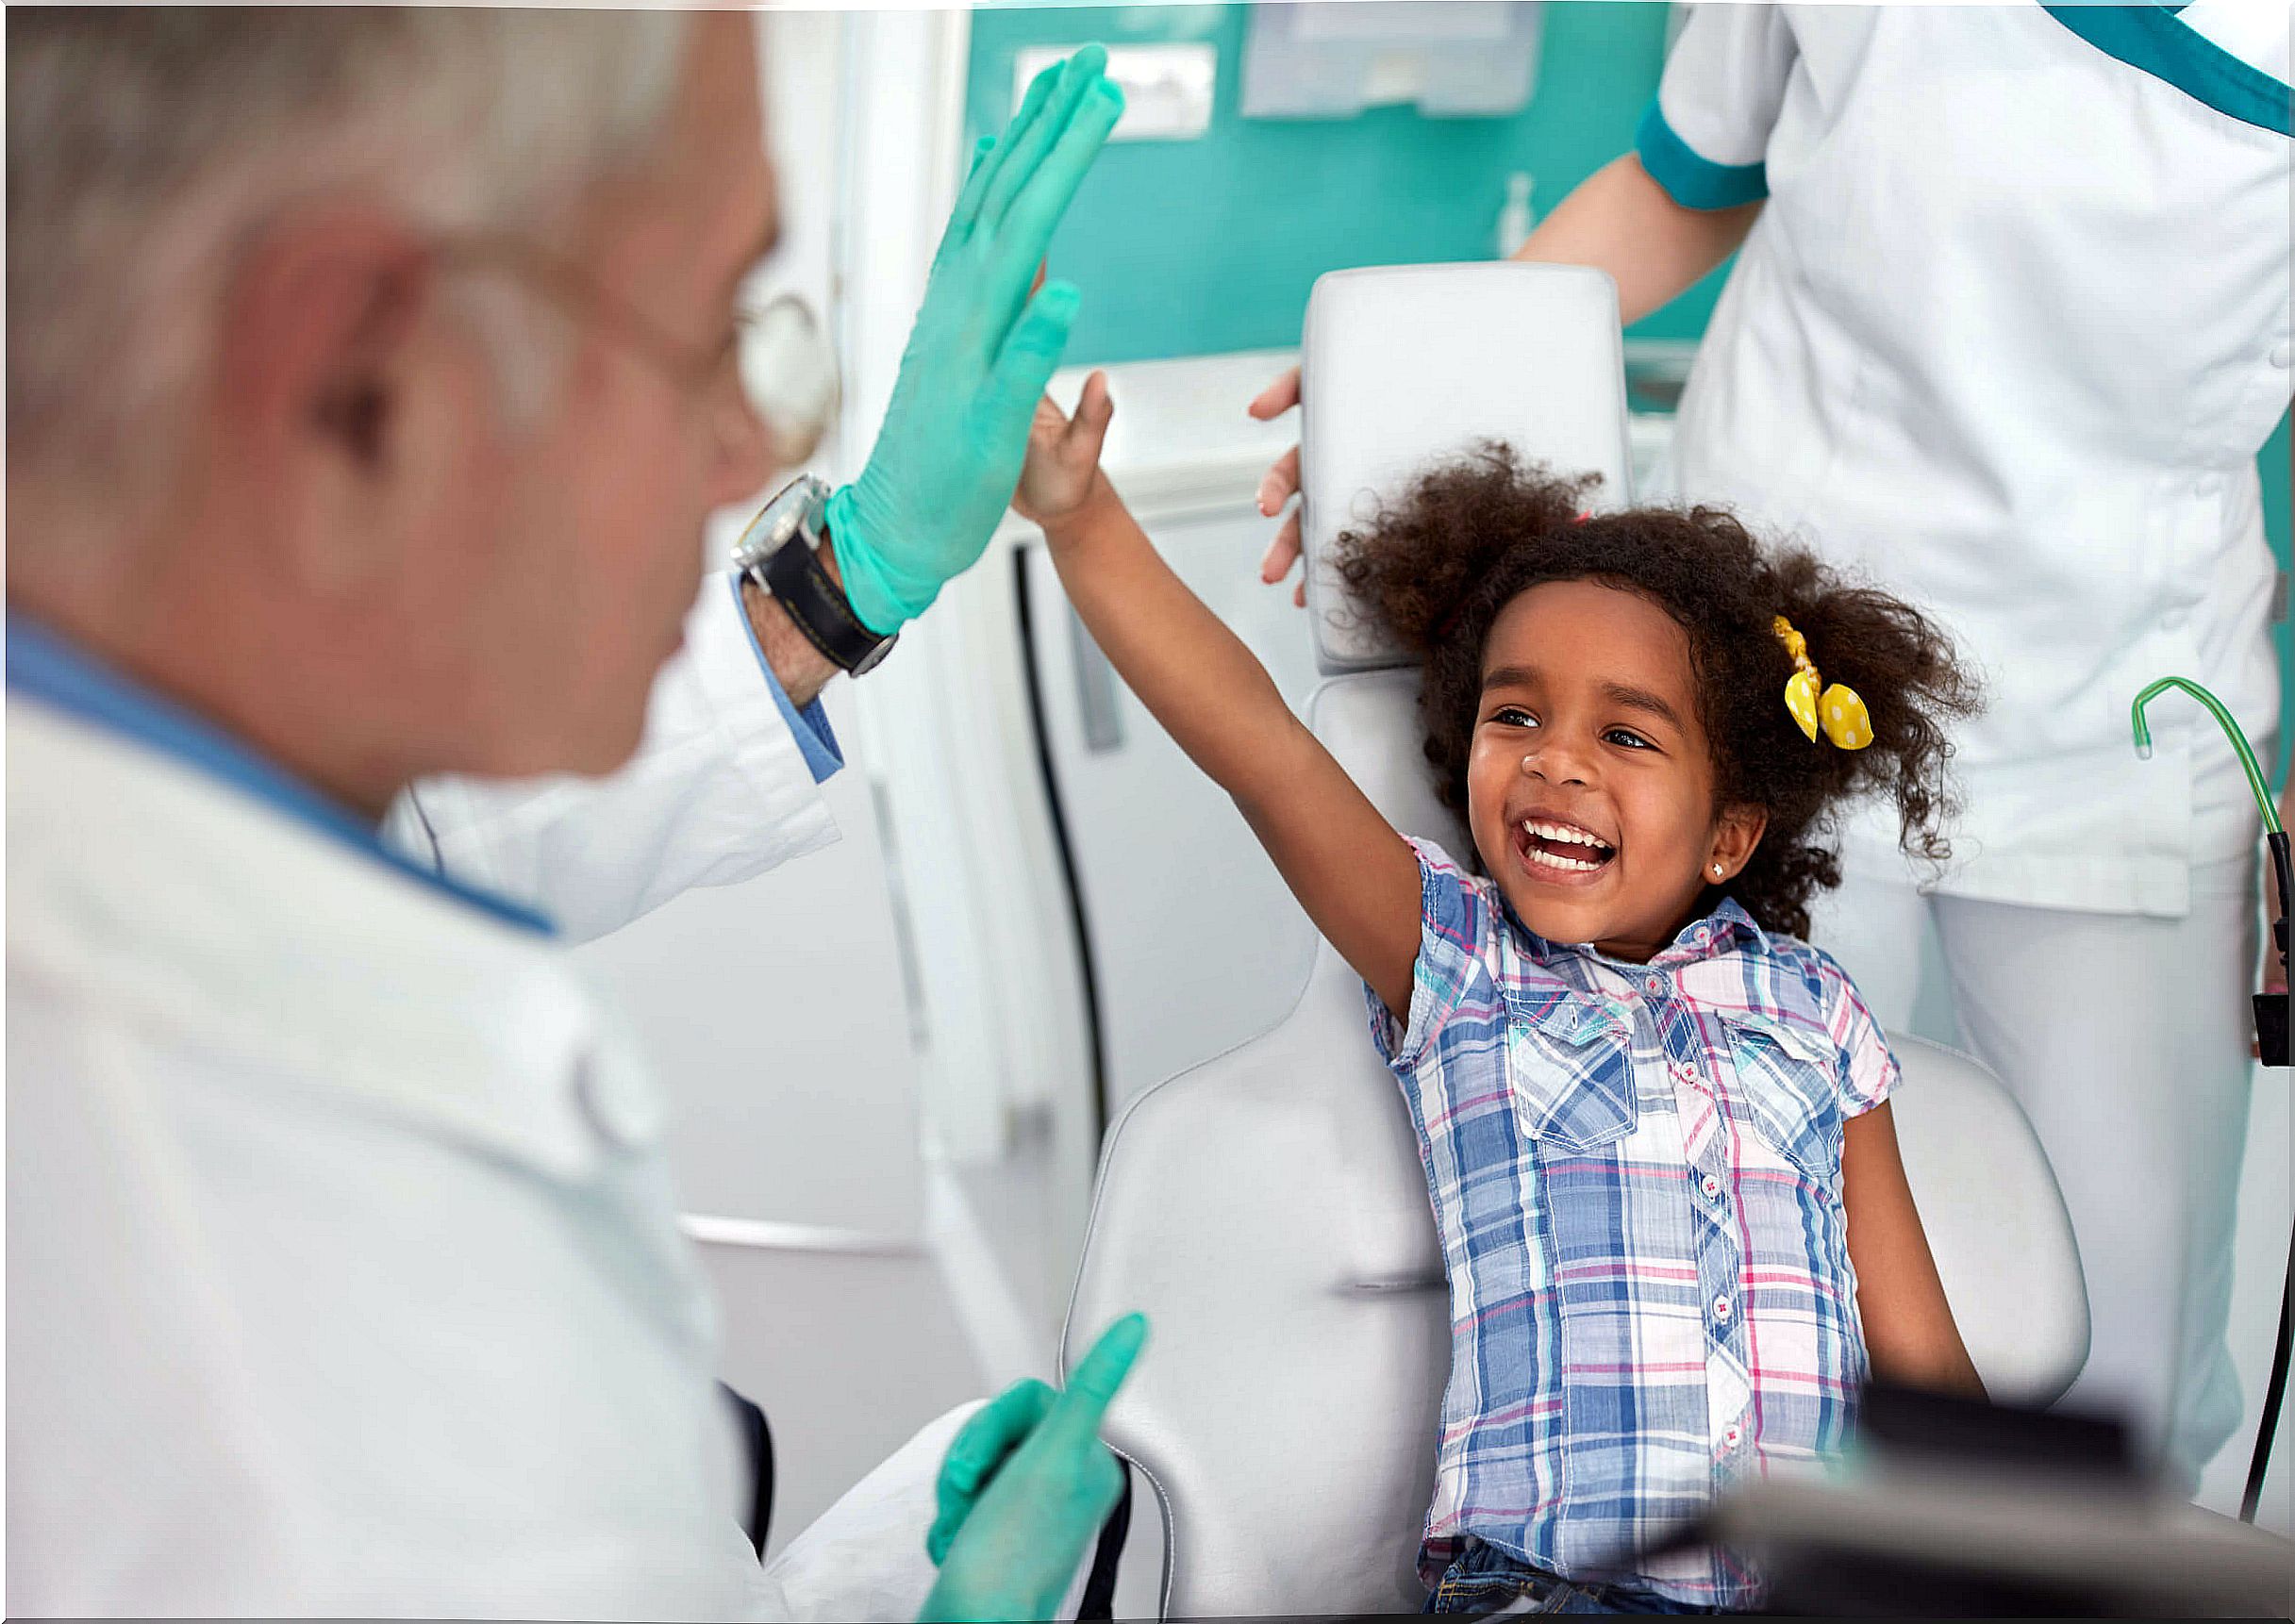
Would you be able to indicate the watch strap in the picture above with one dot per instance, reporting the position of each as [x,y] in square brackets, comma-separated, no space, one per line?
[793,575]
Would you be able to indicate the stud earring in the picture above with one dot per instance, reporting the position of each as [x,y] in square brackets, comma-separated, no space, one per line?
[1717,870]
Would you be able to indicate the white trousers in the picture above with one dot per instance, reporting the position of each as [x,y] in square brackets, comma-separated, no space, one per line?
[2125,1040]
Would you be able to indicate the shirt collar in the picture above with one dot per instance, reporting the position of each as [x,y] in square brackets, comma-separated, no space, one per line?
[1700,939]
[46,666]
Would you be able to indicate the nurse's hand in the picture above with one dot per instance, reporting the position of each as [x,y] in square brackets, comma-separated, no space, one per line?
[1024,1489]
[1280,485]
[978,357]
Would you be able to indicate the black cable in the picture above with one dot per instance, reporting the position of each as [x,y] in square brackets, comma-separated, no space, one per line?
[2274,1390]
[1050,776]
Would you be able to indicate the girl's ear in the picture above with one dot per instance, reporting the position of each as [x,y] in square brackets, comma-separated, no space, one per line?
[1736,834]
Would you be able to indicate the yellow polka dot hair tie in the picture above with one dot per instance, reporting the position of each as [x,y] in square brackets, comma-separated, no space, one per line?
[1837,709]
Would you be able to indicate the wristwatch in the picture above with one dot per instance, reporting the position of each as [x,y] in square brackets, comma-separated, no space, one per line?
[780,553]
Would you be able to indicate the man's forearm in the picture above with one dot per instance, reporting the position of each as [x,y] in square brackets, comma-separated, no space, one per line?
[1621,220]
[801,668]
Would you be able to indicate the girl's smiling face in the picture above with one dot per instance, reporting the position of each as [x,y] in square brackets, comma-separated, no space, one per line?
[1590,786]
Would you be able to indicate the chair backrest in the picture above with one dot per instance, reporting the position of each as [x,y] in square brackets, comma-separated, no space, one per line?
[1268,1210]
[1404,364]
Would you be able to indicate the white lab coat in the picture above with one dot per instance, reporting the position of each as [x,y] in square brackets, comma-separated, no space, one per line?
[719,791]
[2007,336]
[343,1272]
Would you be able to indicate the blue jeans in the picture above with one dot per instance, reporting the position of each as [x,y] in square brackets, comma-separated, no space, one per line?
[1482,1579]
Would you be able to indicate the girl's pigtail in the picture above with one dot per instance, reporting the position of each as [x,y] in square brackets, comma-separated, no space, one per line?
[1906,669]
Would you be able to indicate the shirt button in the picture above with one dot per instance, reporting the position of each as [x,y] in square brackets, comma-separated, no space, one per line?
[2173,621]
[1732,1438]
[2205,485]
[1721,1308]
[1654,985]
[1712,1187]
[2282,356]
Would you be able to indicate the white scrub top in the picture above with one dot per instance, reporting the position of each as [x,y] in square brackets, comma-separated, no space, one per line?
[343,1275]
[2007,336]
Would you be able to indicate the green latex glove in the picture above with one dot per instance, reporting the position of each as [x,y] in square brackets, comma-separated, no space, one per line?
[978,357]
[1024,1489]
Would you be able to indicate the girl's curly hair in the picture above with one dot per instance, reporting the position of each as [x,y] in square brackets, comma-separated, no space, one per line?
[1437,566]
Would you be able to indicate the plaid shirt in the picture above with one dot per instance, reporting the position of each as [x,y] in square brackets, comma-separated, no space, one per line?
[1635,1172]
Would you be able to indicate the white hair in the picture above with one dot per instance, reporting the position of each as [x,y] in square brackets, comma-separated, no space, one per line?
[145,145]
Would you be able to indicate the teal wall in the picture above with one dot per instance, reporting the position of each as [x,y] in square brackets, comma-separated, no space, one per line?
[1198,247]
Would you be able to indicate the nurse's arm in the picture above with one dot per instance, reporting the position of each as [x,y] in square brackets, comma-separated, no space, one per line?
[1621,220]
[1909,1333]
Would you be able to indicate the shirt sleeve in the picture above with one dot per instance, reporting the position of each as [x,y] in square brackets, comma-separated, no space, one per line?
[1869,1071]
[1706,137]
[1456,923]
[725,784]
[810,727]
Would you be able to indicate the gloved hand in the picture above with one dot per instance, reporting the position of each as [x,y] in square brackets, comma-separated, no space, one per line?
[949,453]
[1024,1489]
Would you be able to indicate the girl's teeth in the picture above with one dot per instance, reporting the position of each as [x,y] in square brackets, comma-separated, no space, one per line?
[1562,833]
[1573,864]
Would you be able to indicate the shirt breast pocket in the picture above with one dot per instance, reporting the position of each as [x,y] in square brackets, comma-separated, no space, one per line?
[1783,1082]
[1570,1067]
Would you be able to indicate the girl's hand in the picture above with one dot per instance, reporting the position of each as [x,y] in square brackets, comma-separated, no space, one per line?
[1063,469]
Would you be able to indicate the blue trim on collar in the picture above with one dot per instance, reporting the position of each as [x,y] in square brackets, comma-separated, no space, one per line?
[1690,179]
[46,668]
[2153,39]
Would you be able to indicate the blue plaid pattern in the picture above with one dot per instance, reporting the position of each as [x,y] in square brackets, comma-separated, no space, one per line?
[1635,1174]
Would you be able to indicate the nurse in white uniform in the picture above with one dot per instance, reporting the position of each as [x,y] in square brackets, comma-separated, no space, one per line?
[2008,326]
[370,376]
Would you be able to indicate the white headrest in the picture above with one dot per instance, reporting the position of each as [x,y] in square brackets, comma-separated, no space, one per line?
[1408,365]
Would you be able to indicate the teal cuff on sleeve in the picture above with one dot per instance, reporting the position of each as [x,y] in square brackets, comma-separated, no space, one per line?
[1692,181]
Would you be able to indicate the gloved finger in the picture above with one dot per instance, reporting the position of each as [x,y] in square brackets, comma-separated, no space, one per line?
[988,162]
[1092,1387]
[1282,552]
[979,1449]
[1085,70]
[1032,350]
[968,198]
[1280,483]
[1276,398]
[1035,210]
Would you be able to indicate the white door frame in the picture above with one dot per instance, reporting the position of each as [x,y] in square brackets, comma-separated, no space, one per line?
[948,738]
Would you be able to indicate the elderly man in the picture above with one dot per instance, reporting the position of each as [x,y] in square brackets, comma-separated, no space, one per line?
[370,376]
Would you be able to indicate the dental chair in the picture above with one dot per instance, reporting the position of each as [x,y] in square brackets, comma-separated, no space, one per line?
[1267,1209]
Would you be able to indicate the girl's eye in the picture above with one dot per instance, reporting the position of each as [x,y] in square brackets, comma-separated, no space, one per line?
[1513,715]
[1631,740]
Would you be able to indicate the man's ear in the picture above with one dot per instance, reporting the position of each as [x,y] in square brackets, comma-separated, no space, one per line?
[1737,835]
[318,317]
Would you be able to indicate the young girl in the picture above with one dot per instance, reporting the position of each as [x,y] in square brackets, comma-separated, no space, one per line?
[1653,1122]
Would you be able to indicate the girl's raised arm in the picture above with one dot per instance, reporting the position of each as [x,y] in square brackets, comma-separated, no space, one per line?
[1356,878]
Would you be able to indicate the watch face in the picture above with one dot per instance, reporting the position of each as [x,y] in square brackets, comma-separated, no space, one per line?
[876,656]
[792,506]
